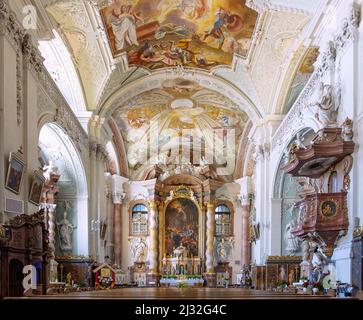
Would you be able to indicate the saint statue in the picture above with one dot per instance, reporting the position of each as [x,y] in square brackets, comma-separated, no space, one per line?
[319,258]
[327,108]
[291,277]
[65,229]
[69,279]
[139,250]
[246,280]
[292,241]
[282,274]
[221,251]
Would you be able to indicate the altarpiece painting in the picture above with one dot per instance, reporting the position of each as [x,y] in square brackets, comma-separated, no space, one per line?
[181,227]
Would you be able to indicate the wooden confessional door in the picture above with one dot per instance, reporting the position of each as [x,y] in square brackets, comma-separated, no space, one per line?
[15,278]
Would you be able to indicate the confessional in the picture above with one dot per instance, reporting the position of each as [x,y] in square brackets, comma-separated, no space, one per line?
[23,241]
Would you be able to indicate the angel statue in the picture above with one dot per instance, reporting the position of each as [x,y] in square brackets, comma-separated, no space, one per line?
[299,141]
[50,169]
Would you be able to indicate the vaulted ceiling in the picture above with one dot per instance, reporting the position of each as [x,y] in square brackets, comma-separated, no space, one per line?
[255,45]
[190,64]
[178,115]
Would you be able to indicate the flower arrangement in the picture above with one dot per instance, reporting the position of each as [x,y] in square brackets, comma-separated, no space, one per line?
[282,284]
[309,284]
[182,285]
[194,276]
[318,285]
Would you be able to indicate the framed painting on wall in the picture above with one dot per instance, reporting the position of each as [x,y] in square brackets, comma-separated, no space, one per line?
[15,172]
[36,188]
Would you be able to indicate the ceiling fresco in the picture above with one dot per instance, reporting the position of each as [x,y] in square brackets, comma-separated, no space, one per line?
[302,76]
[175,114]
[195,33]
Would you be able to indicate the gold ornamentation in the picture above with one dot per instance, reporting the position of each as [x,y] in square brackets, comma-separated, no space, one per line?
[329,208]
[181,192]
[2,232]
[282,258]
[74,257]
[210,204]
[358,231]
[153,204]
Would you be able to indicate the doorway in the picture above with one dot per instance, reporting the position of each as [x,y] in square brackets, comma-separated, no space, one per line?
[15,278]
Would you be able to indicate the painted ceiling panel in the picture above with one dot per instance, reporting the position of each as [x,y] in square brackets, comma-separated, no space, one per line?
[195,33]
[174,114]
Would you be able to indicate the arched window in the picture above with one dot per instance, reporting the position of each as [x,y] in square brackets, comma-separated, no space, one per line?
[333,182]
[139,218]
[223,220]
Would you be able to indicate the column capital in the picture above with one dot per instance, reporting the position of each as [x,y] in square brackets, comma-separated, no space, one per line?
[210,204]
[117,188]
[244,199]
[153,204]
[117,198]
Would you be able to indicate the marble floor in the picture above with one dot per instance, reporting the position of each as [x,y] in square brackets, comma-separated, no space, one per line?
[180,293]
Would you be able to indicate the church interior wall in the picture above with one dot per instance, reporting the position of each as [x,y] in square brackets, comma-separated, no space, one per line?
[91,193]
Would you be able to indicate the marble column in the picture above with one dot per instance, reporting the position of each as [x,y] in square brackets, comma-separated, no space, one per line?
[118,195]
[244,197]
[153,231]
[117,233]
[210,237]
[95,169]
[245,245]
[51,229]
[53,272]
[48,198]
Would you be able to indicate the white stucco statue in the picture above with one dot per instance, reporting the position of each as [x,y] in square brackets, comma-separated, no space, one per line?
[327,108]
[292,242]
[139,250]
[50,169]
[221,251]
[224,249]
[299,141]
[319,259]
[65,229]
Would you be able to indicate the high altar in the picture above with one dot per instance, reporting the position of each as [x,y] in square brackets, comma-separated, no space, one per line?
[179,229]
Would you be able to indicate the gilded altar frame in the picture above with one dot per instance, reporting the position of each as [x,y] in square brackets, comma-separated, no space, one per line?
[179,192]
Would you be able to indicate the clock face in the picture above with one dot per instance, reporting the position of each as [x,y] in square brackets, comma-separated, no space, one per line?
[328,208]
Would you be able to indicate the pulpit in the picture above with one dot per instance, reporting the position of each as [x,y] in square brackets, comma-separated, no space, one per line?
[327,148]
[323,216]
